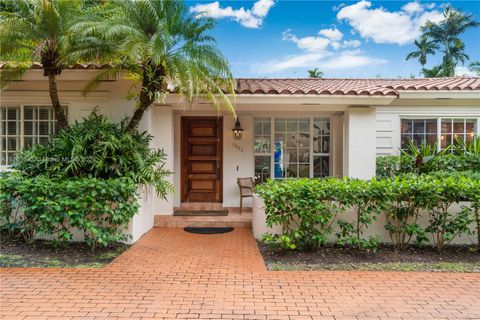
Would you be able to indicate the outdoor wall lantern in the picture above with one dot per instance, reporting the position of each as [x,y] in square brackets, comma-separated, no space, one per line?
[237,130]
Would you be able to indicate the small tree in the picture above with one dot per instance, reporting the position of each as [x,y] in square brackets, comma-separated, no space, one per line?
[161,46]
[315,73]
[38,31]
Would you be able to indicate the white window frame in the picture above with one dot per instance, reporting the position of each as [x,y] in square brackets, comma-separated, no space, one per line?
[21,108]
[311,119]
[439,124]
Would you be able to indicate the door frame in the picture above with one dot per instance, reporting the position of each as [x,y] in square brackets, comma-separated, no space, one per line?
[184,151]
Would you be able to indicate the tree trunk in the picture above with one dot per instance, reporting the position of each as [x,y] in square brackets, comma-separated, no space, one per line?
[57,107]
[145,102]
[150,85]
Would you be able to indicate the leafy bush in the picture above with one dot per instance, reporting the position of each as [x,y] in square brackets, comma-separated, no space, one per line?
[403,199]
[99,208]
[101,149]
[444,226]
[365,198]
[387,166]
[425,159]
[304,208]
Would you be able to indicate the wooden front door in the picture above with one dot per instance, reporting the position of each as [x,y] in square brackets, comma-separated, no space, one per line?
[202,141]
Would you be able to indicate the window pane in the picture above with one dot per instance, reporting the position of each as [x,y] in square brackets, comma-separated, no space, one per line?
[304,126]
[406,126]
[431,126]
[262,168]
[303,170]
[304,155]
[280,125]
[321,166]
[28,113]
[292,125]
[419,126]
[446,125]
[458,126]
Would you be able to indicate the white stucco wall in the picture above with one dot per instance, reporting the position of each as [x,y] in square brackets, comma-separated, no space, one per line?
[359,143]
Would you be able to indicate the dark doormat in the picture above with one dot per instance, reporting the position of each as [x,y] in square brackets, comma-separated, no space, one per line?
[207,230]
[203,213]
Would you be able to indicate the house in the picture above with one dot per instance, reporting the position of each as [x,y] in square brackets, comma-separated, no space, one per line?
[291,128]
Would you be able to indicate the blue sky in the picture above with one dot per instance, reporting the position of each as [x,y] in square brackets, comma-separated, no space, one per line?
[268,38]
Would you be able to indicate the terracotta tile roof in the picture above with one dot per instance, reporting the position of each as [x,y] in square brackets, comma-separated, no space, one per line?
[80,66]
[359,87]
[368,87]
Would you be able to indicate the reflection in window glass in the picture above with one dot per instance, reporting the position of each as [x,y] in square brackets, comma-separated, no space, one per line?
[419,131]
[457,129]
[292,148]
[301,148]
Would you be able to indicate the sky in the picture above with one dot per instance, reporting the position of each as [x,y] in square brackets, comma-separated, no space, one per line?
[344,39]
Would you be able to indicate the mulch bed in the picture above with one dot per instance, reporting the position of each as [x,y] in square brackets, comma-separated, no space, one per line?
[14,252]
[339,257]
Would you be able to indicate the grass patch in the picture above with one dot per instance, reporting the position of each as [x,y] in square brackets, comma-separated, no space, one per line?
[393,266]
[14,252]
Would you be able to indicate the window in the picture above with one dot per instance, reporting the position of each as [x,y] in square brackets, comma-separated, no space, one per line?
[262,150]
[420,131]
[22,127]
[445,130]
[295,148]
[457,128]
[321,147]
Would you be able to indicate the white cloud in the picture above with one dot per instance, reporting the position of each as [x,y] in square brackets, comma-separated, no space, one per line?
[310,44]
[412,7]
[250,18]
[351,43]
[324,50]
[351,59]
[464,72]
[382,26]
[325,60]
[333,34]
[289,62]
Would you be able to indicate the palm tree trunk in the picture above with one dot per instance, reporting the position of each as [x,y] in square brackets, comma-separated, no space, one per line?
[62,121]
[145,102]
[149,87]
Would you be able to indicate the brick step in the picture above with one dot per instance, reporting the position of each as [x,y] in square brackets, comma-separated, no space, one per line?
[234,220]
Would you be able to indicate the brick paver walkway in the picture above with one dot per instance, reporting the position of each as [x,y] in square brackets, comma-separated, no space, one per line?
[171,274]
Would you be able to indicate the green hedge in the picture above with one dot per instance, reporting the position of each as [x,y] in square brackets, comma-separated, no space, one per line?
[99,208]
[306,209]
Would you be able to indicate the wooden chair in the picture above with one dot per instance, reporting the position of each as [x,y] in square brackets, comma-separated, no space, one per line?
[246,189]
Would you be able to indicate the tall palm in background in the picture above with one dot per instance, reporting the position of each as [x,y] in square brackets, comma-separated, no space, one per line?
[446,35]
[38,31]
[161,46]
[475,67]
[315,73]
[424,47]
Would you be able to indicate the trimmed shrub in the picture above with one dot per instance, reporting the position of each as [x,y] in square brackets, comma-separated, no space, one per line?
[99,208]
[365,198]
[304,208]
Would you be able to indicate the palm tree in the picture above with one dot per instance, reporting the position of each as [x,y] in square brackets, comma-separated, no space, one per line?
[446,34]
[475,67]
[163,47]
[38,31]
[315,73]
[424,47]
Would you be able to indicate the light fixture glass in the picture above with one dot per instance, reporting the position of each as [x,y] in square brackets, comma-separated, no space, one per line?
[237,130]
